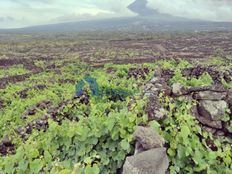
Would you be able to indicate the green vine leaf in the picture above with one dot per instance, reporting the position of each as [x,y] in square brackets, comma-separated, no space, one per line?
[125,144]
[92,170]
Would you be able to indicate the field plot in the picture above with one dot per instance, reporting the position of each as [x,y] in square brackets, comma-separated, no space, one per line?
[180,85]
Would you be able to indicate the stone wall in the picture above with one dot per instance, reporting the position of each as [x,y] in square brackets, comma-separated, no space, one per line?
[212,108]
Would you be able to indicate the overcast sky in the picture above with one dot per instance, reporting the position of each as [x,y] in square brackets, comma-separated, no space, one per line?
[20,13]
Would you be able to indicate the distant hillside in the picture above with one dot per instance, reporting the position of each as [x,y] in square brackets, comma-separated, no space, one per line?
[147,20]
[159,23]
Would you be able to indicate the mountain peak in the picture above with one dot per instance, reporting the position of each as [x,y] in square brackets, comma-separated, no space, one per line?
[140,7]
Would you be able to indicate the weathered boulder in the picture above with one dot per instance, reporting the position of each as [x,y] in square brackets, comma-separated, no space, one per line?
[151,89]
[213,110]
[160,85]
[210,95]
[154,109]
[156,80]
[158,72]
[159,114]
[204,120]
[154,161]
[210,123]
[178,89]
[147,138]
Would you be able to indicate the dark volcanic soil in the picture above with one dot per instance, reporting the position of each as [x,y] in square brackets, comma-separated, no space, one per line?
[6,147]
[23,94]
[26,63]
[13,79]
[1,103]
[212,71]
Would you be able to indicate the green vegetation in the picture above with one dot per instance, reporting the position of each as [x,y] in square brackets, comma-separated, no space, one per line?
[204,80]
[99,141]
[215,61]
[188,148]
[172,64]
[101,138]
[13,70]
[93,134]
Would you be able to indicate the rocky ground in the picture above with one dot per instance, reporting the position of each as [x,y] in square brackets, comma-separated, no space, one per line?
[183,71]
[211,103]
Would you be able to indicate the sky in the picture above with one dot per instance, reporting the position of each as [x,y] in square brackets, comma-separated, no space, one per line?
[21,13]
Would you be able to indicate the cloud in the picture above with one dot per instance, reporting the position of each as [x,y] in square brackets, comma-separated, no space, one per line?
[6,18]
[217,10]
[117,7]
[32,1]
[81,17]
[36,12]
[92,10]
[95,14]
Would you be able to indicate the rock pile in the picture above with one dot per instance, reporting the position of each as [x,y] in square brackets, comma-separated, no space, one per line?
[213,108]
[153,89]
[138,73]
[150,156]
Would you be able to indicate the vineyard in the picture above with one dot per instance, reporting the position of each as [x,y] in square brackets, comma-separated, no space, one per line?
[183,93]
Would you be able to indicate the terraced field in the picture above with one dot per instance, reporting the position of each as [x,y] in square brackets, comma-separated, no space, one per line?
[46,128]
